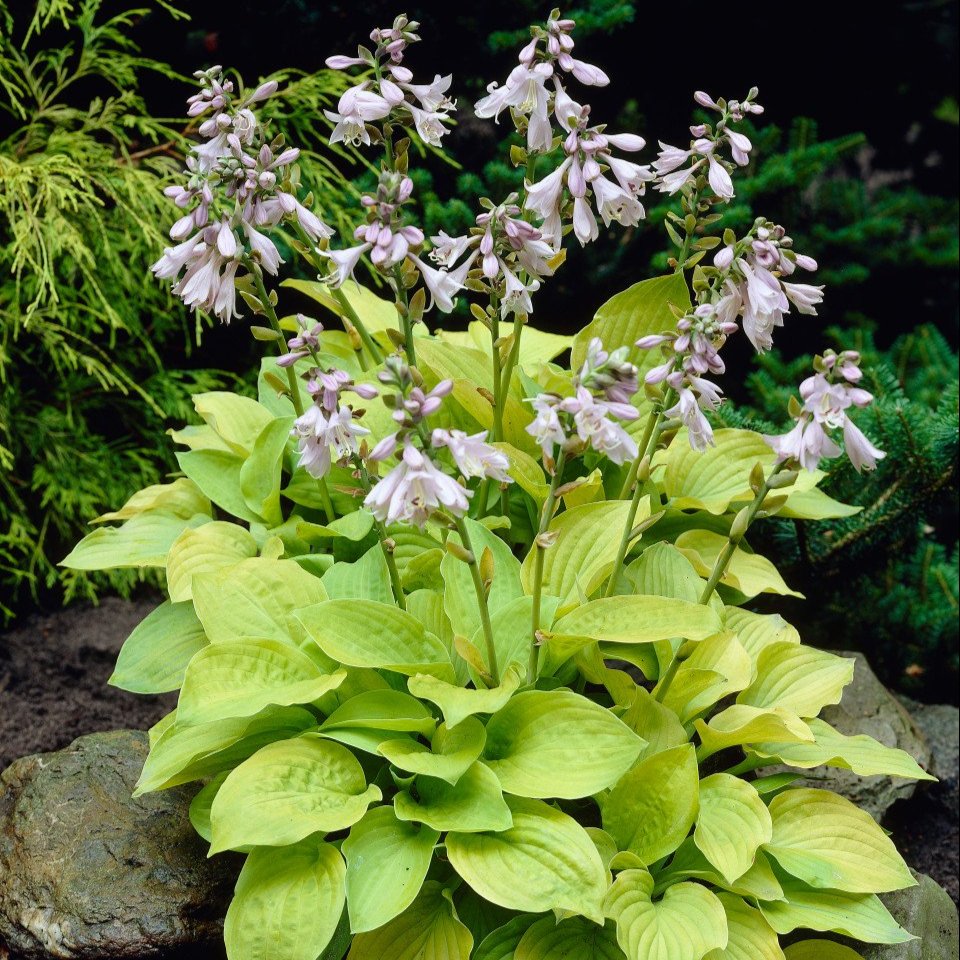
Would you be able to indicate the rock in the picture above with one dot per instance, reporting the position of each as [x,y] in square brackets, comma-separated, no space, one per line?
[88,873]
[868,707]
[940,723]
[928,913]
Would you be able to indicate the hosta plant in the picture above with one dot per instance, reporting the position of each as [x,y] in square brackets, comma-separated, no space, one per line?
[460,632]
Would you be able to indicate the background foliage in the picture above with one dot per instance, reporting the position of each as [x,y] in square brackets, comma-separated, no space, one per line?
[862,185]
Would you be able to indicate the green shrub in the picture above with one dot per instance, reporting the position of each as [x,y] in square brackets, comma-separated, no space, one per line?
[94,363]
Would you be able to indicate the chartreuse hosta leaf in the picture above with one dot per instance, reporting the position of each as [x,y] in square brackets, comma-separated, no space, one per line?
[255,598]
[239,679]
[662,570]
[142,541]
[288,902]
[828,842]
[756,631]
[237,420]
[502,943]
[732,824]
[387,710]
[155,655]
[718,667]
[749,936]
[428,929]
[474,804]
[624,621]
[558,744]
[526,472]
[861,754]
[688,862]
[459,595]
[858,915]
[641,309]
[587,538]
[747,572]
[545,861]
[387,862]
[457,703]
[820,950]
[261,472]
[366,579]
[639,619]
[685,924]
[217,473]
[741,724]
[654,722]
[181,498]
[573,939]
[180,753]
[297,787]
[654,805]
[449,756]
[365,633]
[797,678]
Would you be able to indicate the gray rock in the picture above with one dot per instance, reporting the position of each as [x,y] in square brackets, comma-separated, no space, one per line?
[940,723]
[868,707]
[928,913]
[88,873]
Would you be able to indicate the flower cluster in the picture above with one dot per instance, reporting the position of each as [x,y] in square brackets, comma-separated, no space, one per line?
[692,352]
[515,256]
[391,96]
[328,424]
[602,392]
[417,487]
[588,157]
[525,91]
[671,163]
[754,288]
[828,396]
[237,186]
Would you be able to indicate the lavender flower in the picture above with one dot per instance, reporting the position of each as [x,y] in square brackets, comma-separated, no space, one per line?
[705,148]
[237,185]
[391,97]
[414,490]
[473,456]
[828,396]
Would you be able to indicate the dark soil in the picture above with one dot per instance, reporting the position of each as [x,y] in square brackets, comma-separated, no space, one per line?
[53,678]
[53,689]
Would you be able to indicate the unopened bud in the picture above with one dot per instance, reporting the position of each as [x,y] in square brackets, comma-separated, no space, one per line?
[740,525]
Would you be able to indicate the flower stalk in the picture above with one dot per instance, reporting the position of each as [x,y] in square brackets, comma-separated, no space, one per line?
[481,590]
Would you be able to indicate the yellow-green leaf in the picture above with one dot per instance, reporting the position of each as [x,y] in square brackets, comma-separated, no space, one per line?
[558,744]
[741,724]
[750,936]
[387,862]
[241,678]
[858,915]
[587,538]
[732,824]
[297,787]
[747,572]
[214,545]
[687,923]
[287,904]
[457,703]
[545,861]
[366,633]
[828,842]
[474,804]
[573,939]
[861,754]
[428,929]
[635,312]
[155,655]
[450,755]
[797,678]
[653,807]
[820,950]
